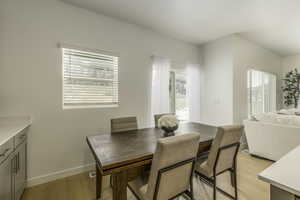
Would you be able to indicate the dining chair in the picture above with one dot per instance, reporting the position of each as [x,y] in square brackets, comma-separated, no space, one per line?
[123,124]
[221,158]
[120,125]
[158,116]
[171,170]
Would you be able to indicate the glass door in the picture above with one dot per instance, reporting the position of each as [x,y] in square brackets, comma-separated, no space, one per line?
[178,95]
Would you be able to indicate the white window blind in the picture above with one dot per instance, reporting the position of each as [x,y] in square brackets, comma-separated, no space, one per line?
[89,79]
[261,92]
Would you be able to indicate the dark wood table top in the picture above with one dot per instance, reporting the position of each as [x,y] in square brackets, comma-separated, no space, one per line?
[118,149]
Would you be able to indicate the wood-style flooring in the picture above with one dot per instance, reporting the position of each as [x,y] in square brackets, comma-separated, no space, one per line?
[81,187]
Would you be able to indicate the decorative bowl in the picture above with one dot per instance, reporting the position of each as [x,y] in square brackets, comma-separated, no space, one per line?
[169,130]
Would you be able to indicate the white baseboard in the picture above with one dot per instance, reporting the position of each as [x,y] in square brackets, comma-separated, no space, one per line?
[59,174]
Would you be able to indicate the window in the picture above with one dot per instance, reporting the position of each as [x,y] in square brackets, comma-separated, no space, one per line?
[90,79]
[261,92]
[178,95]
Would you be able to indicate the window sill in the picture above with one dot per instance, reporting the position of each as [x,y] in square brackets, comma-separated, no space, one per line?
[89,107]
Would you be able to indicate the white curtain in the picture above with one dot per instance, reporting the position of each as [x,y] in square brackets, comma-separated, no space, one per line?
[193,91]
[261,92]
[160,99]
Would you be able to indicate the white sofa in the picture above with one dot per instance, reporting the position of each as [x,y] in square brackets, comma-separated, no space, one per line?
[271,140]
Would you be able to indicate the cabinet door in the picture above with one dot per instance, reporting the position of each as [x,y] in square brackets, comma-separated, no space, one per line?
[6,179]
[280,194]
[20,175]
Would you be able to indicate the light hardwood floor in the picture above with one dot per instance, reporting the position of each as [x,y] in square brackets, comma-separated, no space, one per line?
[81,187]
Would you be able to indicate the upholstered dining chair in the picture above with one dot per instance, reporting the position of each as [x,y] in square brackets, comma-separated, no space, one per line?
[158,116]
[123,124]
[171,171]
[221,158]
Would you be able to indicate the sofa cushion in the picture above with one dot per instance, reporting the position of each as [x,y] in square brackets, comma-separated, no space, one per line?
[279,119]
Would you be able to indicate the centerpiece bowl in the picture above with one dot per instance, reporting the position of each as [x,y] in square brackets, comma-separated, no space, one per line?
[169,124]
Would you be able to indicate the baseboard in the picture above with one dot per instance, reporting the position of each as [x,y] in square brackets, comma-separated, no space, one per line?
[59,174]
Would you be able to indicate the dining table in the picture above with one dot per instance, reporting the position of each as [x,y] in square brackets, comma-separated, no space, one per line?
[122,155]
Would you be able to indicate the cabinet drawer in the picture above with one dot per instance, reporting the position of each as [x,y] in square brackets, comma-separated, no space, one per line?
[6,149]
[20,137]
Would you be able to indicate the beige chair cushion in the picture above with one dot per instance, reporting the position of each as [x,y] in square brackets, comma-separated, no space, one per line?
[226,135]
[123,124]
[169,151]
[170,185]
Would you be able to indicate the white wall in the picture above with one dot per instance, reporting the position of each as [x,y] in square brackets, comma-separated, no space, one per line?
[31,78]
[224,78]
[193,73]
[217,82]
[250,55]
[224,85]
[289,63]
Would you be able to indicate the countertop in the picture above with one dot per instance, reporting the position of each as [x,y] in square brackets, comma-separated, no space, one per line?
[12,125]
[284,173]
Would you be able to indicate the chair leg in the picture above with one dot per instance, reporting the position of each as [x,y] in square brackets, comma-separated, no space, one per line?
[215,187]
[235,180]
[232,178]
[213,183]
[235,185]
[192,188]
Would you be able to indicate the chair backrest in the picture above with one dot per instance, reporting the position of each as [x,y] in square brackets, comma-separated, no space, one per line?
[123,124]
[224,148]
[172,166]
[158,116]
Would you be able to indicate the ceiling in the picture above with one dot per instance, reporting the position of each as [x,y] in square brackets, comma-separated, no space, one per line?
[274,24]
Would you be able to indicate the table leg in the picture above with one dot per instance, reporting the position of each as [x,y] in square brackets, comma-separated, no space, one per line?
[98,182]
[120,185]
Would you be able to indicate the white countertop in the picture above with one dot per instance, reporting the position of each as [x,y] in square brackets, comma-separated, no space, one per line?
[285,173]
[12,125]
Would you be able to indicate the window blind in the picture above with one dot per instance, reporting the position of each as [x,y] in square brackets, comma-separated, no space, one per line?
[89,79]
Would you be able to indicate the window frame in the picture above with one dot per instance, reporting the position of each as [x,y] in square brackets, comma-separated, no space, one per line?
[63,46]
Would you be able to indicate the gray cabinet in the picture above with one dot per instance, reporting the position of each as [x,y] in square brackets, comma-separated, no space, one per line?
[5,179]
[19,175]
[280,194]
[13,167]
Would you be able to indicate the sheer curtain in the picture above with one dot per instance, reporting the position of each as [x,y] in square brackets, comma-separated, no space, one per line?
[160,99]
[193,91]
[261,92]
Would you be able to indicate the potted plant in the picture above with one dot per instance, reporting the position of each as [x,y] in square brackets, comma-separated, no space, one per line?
[291,88]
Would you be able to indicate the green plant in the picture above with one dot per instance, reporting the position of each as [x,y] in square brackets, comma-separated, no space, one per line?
[291,88]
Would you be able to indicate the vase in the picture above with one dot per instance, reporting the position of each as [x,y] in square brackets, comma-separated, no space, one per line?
[169,131]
